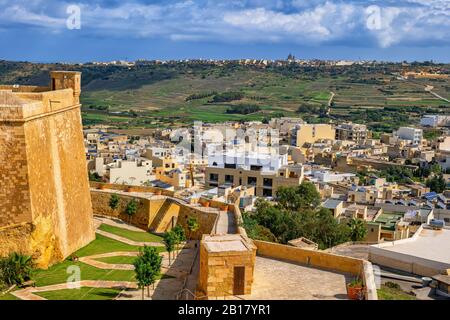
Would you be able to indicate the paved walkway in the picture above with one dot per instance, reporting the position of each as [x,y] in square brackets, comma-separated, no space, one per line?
[275,279]
[29,293]
[226,223]
[128,241]
[166,288]
[178,267]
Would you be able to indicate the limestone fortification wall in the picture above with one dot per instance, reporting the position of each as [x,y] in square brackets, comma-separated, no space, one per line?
[45,204]
[154,212]
[357,267]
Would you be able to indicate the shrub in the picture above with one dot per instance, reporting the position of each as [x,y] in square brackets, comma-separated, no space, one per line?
[15,269]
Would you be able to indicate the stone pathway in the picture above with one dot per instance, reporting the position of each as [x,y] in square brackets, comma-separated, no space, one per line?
[226,223]
[174,270]
[165,288]
[128,241]
[29,293]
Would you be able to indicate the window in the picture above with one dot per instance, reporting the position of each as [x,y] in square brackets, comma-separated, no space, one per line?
[230,165]
[213,177]
[267,192]
[251,181]
[267,182]
[255,167]
[229,178]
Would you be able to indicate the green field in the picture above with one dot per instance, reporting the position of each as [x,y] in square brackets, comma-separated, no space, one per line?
[156,94]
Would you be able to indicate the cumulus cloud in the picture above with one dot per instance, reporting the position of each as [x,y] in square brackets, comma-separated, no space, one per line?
[404,22]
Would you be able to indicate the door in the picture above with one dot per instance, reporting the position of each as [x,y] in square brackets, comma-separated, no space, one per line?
[239,281]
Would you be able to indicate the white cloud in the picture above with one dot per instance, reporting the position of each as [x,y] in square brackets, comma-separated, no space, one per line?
[405,22]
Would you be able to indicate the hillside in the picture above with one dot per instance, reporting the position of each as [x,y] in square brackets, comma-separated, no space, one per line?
[150,95]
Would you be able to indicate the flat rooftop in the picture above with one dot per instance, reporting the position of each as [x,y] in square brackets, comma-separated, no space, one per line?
[225,243]
[430,244]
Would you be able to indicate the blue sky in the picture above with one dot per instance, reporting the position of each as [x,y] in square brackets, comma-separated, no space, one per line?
[36,30]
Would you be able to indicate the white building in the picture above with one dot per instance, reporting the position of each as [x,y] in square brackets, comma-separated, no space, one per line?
[411,134]
[266,162]
[329,176]
[134,173]
[434,121]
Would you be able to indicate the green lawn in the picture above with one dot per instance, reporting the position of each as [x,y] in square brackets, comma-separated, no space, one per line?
[83,293]
[118,260]
[8,296]
[131,235]
[59,274]
[103,245]
[386,293]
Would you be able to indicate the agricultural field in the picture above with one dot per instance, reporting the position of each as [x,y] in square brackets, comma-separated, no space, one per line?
[152,96]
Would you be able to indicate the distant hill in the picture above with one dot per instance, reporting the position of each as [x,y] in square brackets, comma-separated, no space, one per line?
[149,95]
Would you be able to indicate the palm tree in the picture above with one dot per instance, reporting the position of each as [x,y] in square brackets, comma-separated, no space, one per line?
[358,229]
[114,202]
[131,209]
[16,268]
[193,225]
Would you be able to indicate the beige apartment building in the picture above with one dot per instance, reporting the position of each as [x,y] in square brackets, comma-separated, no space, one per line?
[352,132]
[266,183]
[310,133]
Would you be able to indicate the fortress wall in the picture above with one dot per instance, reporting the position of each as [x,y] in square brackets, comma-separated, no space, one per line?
[14,196]
[144,216]
[43,176]
[123,187]
[150,209]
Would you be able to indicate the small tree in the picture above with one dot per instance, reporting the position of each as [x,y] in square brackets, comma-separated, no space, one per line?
[180,235]
[114,202]
[358,229]
[169,239]
[193,225]
[152,257]
[143,273]
[131,209]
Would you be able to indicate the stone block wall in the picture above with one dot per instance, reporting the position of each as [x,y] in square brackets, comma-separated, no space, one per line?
[43,176]
[153,212]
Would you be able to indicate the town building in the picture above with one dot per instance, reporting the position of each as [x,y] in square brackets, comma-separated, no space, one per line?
[357,133]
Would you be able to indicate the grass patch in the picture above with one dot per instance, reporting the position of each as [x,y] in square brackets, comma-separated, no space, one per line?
[118,260]
[104,245]
[8,296]
[131,235]
[59,274]
[83,293]
[393,293]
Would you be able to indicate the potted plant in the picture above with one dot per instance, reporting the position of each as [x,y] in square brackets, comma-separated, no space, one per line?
[355,290]
[101,187]
[205,204]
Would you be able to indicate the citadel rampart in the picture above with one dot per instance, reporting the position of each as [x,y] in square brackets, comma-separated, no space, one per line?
[45,204]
